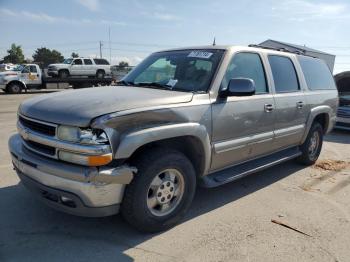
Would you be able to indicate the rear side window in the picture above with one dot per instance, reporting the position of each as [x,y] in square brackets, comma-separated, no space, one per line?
[100,61]
[247,65]
[87,62]
[316,73]
[284,74]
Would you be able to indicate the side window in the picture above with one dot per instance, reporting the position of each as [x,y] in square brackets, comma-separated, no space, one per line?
[33,69]
[316,73]
[87,62]
[77,62]
[247,65]
[25,69]
[284,74]
[100,61]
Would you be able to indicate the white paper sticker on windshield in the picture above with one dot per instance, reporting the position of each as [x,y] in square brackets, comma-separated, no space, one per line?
[172,82]
[200,54]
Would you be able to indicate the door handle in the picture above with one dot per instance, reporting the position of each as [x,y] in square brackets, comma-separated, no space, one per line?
[300,104]
[268,107]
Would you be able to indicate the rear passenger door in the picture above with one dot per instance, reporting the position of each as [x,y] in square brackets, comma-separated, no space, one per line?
[291,108]
[243,126]
[88,67]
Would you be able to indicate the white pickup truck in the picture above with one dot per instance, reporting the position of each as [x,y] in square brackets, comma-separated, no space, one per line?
[30,76]
[81,66]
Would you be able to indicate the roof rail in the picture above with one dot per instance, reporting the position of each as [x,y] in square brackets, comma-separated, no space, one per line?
[281,49]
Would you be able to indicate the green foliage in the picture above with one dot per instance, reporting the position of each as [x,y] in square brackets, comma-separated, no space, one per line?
[123,64]
[45,56]
[74,55]
[15,55]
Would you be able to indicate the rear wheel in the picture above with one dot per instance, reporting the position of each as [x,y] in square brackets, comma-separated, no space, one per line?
[100,74]
[312,146]
[14,88]
[161,192]
[63,74]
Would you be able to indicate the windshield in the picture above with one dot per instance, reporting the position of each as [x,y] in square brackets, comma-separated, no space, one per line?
[67,61]
[18,68]
[184,70]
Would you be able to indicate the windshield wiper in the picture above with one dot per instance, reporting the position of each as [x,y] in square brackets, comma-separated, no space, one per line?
[124,83]
[154,85]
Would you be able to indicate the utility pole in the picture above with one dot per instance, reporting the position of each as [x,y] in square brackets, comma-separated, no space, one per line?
[101,49]
[109,38]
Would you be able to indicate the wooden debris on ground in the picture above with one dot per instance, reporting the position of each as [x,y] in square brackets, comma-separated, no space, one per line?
[289,227]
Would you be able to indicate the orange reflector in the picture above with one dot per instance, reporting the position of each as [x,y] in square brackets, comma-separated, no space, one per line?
[99,160]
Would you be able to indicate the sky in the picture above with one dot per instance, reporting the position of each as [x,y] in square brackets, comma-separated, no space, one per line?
[140,27]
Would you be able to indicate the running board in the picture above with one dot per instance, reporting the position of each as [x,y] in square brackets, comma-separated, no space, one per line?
[241,170]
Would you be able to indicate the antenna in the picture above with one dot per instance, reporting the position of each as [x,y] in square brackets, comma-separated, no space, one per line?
[214,44]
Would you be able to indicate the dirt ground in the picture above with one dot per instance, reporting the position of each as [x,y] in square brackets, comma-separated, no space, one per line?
[231,223]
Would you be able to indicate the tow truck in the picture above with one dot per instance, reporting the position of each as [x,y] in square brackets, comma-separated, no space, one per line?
[30,76]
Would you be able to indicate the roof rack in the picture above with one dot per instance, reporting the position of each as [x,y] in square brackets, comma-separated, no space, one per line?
[281,49]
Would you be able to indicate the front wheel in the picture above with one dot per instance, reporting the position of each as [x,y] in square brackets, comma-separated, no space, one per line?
[63,74]
[161,192]
[312,146]
[14,88]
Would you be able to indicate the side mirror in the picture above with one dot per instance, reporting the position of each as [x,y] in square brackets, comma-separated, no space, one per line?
[239,87]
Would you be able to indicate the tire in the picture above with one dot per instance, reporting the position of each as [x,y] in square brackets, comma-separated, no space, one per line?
[100,74]
[63,74]
[139,194]
[312,146]
[14,88]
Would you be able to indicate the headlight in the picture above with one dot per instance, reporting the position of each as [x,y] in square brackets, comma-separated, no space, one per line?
[85,160]
[53,68]
[83,136]
[69,133]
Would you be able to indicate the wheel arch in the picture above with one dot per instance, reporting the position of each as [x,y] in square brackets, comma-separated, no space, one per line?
[191,139]
[21,83]
[323,115]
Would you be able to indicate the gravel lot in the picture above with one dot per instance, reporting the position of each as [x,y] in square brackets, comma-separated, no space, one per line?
[229,223]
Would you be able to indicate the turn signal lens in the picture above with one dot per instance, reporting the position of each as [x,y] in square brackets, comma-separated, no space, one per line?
[85,160]
[100,160]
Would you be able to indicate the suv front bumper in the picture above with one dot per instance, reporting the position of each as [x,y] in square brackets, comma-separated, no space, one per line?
[78,190]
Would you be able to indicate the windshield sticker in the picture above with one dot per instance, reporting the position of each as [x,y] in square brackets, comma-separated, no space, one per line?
[200,54]
[172,82]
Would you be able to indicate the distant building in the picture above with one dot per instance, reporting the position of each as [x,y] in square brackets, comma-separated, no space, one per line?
[328,58]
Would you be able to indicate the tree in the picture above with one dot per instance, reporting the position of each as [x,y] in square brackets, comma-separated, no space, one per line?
[123,64]
[74,55]
[15,55]
[45,56]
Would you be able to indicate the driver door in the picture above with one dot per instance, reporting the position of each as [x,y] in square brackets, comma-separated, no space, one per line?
[243,126]
[76,67]
[31,76]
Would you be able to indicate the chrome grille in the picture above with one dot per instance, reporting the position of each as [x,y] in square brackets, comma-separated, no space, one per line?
[37,126]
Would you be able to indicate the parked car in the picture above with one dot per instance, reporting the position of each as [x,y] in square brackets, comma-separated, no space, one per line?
[204,115]
[343,115]
[80,67]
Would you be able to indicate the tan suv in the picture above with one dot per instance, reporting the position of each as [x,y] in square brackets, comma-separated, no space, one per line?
[202,115]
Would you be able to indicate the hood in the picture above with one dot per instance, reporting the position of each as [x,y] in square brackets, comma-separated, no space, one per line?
[58,65]
[9,72]
[79,107]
